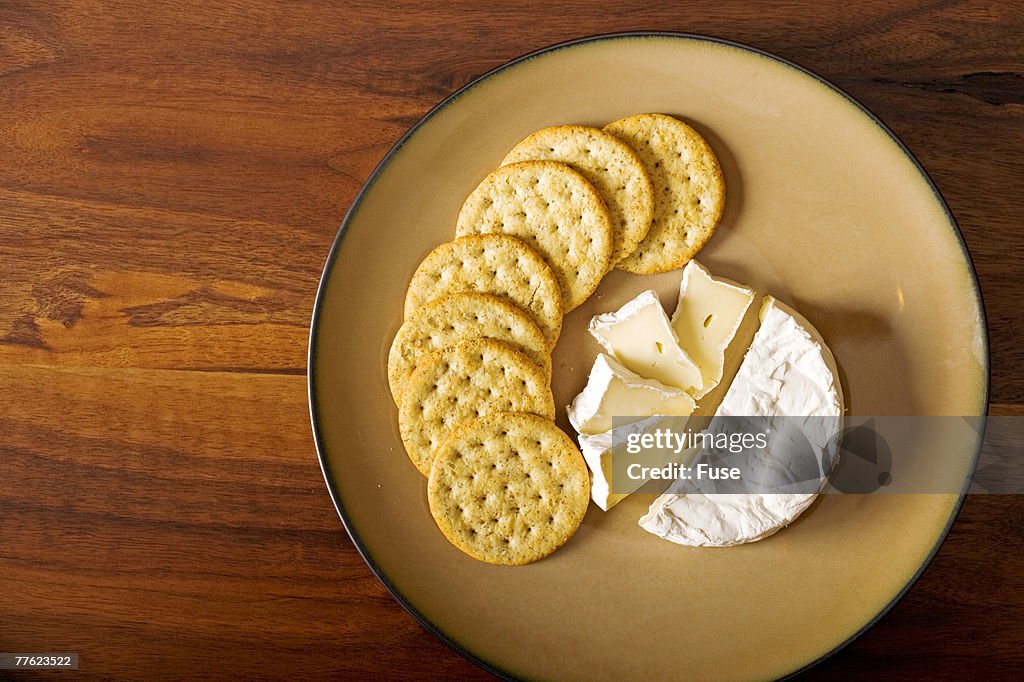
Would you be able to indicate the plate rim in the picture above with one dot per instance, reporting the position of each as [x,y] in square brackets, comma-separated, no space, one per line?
[328,476]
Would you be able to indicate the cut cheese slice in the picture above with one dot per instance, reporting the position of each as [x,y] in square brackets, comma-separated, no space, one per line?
[614,391]
[640,336]
[787,372]
[707,316]
[597,452]
[600,451]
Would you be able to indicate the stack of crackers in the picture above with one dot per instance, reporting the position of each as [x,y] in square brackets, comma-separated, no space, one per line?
[470,368]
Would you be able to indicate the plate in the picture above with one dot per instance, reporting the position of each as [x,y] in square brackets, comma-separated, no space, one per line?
[826,210]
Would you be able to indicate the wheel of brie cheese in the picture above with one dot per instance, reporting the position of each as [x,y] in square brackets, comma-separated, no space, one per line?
[787,388]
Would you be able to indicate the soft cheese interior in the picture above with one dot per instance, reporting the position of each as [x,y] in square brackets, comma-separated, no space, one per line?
[706,318]
[640,335]
[787,371]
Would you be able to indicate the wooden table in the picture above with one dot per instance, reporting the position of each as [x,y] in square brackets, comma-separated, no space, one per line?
[171,178]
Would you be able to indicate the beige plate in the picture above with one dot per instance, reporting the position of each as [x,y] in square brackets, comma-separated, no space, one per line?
[826,210]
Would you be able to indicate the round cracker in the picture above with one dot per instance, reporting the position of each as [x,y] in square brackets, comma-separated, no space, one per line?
[553,209]
[508,488]
[495,264]
[689,190]
[457,384]
[614,170]
[457,317]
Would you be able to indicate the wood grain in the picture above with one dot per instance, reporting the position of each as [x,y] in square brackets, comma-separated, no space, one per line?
[171,178]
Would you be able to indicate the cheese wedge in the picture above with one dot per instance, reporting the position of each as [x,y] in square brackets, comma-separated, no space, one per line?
[614,391]
[706,318]
[640,336]
[600,450]
[597,452]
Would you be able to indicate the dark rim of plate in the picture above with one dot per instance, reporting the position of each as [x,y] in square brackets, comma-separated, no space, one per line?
[328,266]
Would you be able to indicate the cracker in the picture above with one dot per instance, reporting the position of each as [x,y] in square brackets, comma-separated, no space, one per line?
[689,190]
[492,264]
[614,170]
[457,317]
[508,488]
[462,382]
[553,209]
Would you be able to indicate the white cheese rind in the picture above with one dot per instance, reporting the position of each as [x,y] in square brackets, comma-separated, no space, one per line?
[707,315]
[787,371]
[597,453]
[614,391]
[640,336]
